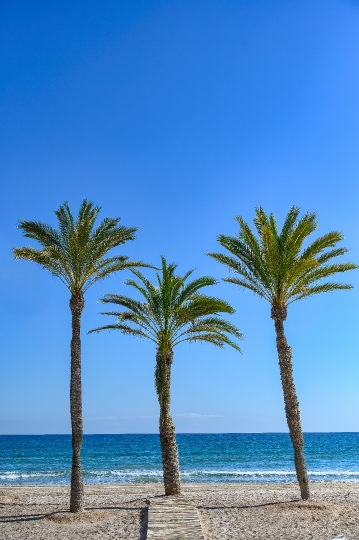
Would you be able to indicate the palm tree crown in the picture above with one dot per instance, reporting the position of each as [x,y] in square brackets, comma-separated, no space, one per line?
[76,252]
[274,264]
[173,311]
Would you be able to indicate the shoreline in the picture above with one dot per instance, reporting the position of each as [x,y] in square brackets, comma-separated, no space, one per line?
[227,511]
[238,485]
[185,485]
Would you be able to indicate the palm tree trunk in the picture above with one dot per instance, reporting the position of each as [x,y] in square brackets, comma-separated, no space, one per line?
[169,447]
[279,315]
[77,490]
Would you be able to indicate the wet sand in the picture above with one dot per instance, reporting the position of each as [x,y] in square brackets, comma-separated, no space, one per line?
[227,511]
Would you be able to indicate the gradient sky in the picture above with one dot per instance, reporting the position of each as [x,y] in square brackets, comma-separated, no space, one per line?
[177,115]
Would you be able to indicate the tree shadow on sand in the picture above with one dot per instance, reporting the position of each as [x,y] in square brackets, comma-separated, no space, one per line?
[282,505]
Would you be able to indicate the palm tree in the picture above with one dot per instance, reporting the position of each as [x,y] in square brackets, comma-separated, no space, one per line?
[172,311]
[76,254]
[275,266]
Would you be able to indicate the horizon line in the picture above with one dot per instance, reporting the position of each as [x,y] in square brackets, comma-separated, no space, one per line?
[179,433]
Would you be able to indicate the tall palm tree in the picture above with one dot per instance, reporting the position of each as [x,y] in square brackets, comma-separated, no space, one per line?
[76,253]
[275,266]
[172,311]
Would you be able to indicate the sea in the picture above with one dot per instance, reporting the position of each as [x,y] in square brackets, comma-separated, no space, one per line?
[235,458]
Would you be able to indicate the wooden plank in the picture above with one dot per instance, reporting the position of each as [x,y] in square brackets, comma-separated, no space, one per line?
[173,518]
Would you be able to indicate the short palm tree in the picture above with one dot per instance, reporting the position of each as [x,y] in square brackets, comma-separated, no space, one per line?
[275,266]
[172,311]
[76,253]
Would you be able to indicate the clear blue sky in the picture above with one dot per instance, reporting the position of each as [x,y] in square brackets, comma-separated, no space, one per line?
[177,115]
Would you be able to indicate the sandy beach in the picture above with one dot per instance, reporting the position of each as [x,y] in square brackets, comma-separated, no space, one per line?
[227,511]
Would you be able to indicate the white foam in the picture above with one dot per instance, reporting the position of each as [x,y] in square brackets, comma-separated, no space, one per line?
[204,475]
[13,475]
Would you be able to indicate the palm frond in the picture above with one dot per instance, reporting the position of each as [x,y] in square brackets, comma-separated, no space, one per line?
[325,257]
[193,287]
[202,305]
[253,260]
[46,235]
[217,339]
[251,280]
[214,324]
[323,242]
[289,224]
[317,289]
[124,328]
[48,259]
[251,286]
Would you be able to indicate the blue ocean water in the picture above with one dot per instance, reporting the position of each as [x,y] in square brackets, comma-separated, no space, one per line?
[239,458]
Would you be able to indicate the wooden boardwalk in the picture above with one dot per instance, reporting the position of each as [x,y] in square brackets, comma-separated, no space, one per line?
[173,518]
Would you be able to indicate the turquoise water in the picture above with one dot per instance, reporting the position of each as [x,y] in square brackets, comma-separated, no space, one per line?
[239,458]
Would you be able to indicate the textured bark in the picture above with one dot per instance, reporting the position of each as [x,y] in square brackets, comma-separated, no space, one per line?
[77,490]
[169,447]
[279,315]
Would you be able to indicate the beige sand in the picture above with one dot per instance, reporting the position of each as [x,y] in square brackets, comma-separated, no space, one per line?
[228,512]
